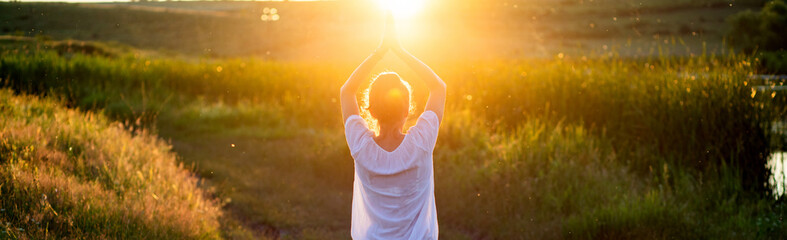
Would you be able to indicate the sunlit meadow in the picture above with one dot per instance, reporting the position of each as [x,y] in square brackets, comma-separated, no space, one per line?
[136,139]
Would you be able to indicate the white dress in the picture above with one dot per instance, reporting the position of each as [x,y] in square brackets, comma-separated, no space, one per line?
[393,192]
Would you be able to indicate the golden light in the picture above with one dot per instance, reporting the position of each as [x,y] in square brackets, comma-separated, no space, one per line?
[402,9]
[395,93]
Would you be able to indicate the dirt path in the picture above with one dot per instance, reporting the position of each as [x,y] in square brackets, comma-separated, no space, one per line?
[285,188]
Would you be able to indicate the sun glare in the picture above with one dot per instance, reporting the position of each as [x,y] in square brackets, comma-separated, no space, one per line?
[402,8]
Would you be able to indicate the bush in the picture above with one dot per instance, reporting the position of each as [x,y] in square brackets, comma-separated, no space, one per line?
[66,174]
[762,32]
[773,62]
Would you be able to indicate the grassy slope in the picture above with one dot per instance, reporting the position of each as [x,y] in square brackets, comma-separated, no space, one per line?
[68,174]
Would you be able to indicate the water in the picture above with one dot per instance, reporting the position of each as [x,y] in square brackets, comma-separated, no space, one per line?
[777,165]
[776,162]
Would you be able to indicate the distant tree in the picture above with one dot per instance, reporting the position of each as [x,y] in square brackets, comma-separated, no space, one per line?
[762,32]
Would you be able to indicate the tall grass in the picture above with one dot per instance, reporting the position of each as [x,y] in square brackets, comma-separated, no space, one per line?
[696,111]
[549,179]
[66,174]
[128,86]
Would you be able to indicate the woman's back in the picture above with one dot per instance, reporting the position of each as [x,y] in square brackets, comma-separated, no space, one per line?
[393,191]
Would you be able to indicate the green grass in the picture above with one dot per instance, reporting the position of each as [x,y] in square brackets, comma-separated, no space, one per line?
[547,180]
[69,174]
[594,146]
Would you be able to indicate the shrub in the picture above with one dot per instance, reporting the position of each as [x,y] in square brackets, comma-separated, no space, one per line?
[762,32]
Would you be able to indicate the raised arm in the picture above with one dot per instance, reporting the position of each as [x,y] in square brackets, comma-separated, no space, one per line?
[436,102]
[350,88]
[437,93]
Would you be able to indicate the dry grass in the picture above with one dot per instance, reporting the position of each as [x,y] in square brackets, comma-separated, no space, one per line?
[68,174]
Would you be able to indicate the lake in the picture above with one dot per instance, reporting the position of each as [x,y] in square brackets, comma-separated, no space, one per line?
[776,164]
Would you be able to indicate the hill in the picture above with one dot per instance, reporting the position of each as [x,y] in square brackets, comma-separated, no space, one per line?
[69,174]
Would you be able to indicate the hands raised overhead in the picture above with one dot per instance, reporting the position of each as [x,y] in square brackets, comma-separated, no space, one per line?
[437,92]
[390,38]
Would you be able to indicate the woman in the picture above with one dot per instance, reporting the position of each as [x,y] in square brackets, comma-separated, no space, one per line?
[393,190]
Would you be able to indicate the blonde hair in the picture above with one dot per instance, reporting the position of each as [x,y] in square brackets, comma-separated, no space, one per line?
[385,98]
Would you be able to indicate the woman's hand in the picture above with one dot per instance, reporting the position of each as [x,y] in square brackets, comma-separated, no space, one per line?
[390,39]
[361,74]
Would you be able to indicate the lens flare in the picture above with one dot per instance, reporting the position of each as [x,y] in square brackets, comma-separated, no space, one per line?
[402,9]
[394,94]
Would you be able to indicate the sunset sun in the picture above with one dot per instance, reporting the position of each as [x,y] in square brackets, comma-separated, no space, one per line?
[402,8]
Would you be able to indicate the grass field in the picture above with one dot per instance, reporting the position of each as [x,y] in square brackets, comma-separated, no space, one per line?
[597,144]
